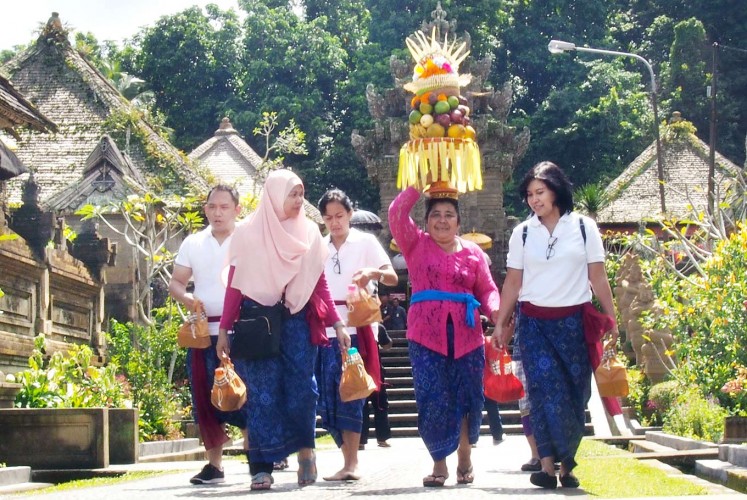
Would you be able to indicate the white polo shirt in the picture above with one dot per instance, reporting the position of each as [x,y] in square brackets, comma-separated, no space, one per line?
[202,253]
[359,250]
[563,278]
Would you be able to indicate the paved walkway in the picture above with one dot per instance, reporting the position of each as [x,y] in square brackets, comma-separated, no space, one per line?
[386,472]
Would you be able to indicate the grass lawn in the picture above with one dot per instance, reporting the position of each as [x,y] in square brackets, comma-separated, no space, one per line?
[608,472]
[99,481]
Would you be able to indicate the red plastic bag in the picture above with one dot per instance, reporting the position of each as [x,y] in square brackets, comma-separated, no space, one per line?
[499,380]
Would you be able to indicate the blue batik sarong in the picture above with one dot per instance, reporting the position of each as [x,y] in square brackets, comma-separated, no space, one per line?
[558,375]
[336,415]
[446,391]
[282,394]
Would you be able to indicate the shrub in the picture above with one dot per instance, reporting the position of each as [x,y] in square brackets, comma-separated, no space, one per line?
[145,354]
[694,416]
[662,396]
[68,380]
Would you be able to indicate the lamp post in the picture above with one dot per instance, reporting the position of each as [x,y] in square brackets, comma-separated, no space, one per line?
[558,47]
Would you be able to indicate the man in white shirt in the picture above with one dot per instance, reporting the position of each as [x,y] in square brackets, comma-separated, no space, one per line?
[202,258]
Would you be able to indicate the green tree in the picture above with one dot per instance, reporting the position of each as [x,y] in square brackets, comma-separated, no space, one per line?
[686,75]
[190,61]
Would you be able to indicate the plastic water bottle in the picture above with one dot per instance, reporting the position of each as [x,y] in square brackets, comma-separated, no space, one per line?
[354,356]
[353,294]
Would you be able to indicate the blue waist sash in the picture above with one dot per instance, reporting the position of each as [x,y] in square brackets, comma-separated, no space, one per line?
[467,298]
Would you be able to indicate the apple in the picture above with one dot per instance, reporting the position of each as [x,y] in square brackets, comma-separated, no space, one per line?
[464,109]
[426,108]
[426,120]
[444,120]
[453,101]
[415,116]
[432,98]
[463,100]
[466,120]
[456,116]
[441,107]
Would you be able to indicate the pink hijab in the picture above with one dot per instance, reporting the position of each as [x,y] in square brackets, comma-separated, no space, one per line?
[272,253]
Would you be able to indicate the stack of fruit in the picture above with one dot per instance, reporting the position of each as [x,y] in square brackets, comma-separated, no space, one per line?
[441,156]
[439,115]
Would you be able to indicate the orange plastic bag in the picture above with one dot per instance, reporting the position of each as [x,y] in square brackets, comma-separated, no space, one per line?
[229,391]
[194,332]
[355,382]
[363,309]
[611,375]
[500,383]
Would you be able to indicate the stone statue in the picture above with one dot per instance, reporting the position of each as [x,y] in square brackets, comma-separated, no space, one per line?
[635,299]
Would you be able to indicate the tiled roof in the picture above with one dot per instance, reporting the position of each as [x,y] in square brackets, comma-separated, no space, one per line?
[229,158]
[635,192]
[16,111]
[84,105]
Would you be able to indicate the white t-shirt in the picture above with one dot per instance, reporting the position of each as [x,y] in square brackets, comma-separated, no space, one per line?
[202,253]
[563,278]
[359,250]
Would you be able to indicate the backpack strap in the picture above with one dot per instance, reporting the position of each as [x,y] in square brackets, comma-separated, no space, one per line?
[583,228]
[524,235]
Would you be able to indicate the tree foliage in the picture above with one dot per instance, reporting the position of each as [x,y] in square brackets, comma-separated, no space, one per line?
[589,113]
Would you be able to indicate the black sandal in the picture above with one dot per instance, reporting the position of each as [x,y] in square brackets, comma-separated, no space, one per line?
[569,481]
[544,480]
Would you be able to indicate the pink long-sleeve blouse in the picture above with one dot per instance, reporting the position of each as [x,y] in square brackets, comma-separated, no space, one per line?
[321,311]
[430,268]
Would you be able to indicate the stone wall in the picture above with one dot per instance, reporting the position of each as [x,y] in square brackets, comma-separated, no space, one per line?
[54,295]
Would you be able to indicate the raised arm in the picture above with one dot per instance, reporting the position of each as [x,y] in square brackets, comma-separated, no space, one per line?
[404,230]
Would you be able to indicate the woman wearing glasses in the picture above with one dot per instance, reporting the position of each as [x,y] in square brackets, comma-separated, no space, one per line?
[354,257]
[450,280]
[553,258]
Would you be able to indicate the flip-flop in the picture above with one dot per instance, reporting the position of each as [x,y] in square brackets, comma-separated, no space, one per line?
[434,480]
[465,476]
[261,481]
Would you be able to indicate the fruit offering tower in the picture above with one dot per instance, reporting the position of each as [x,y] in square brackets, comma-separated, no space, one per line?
[442,156]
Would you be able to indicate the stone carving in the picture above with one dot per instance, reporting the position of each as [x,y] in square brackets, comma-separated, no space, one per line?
[635,298]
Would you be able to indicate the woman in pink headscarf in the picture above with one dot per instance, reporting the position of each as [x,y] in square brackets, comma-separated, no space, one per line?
[278,254]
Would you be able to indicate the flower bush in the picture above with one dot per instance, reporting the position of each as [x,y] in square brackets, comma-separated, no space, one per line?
[145,354]
[69,380]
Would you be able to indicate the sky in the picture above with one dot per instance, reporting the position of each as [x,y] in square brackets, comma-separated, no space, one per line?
[20,20]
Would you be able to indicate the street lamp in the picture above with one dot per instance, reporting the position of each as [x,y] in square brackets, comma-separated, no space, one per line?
[558,47]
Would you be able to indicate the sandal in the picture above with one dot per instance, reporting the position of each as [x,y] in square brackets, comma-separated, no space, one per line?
[569,481]
[434,480]
[281,465]
[262,481]
[307,470]
[465,476]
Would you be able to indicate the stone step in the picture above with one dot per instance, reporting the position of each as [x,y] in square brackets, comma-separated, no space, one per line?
[14,475]
[168,447]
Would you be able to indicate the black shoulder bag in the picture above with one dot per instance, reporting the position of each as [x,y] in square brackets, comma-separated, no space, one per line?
[256,335]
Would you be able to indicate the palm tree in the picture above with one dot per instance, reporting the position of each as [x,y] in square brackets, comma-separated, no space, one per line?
[590,199]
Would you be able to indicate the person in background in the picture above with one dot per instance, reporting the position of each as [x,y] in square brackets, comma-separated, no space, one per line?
[555,262]
[354,257]
[278,254]
[379,401]
[200,258]
[450,280]
[397,316]
[386,309]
